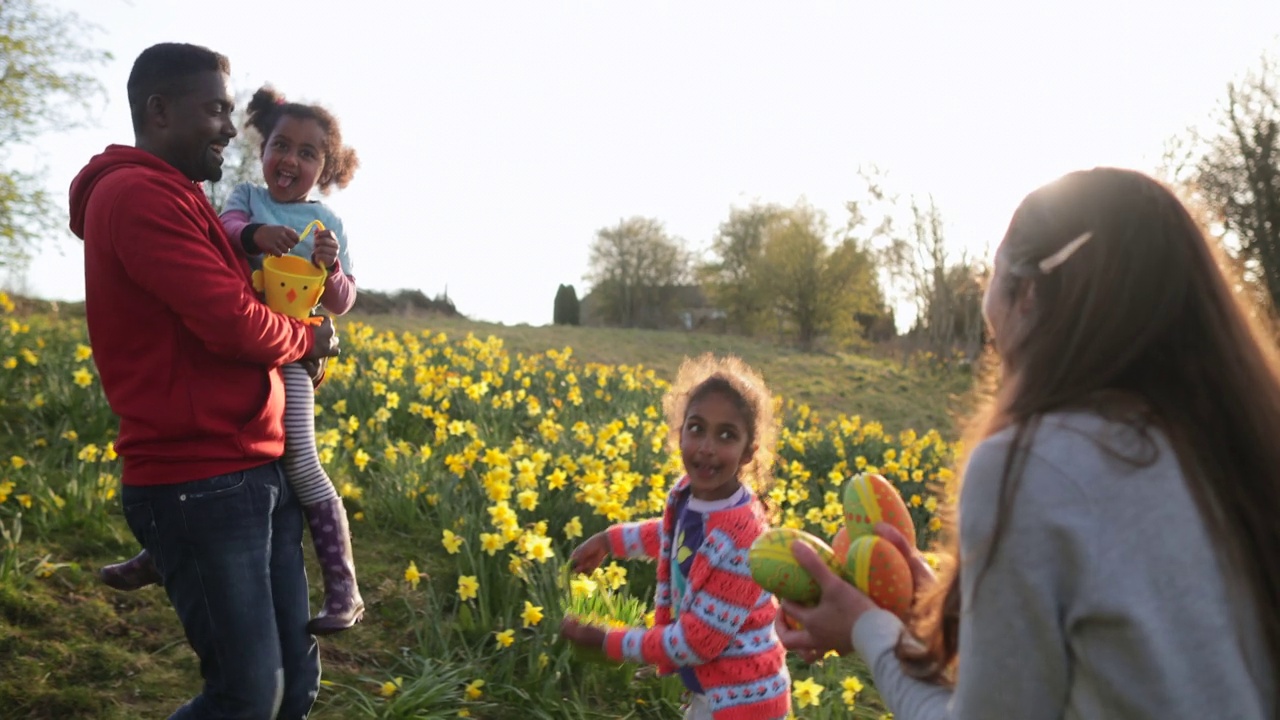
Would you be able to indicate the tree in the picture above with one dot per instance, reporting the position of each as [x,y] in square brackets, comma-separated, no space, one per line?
[1230,173]
[567,309]
[633,266]
[945,291]
[43,88]
[241,161]
[814,289]
[734,277]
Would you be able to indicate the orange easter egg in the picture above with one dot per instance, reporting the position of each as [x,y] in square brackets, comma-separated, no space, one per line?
[840,545]
[878,569]
[870,499]
[775,569]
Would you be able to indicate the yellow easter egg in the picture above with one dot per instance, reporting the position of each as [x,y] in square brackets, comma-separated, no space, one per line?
[870,499]
[878,569]
[775,569]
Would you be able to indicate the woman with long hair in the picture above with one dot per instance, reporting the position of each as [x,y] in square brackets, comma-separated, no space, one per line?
[1117,548]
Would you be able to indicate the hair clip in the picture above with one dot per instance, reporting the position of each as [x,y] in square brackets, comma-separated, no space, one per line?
[1048,264]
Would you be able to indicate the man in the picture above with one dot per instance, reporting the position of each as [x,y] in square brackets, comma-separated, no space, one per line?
[189,360]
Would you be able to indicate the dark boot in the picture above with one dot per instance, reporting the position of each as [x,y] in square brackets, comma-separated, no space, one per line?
[343,606]
[135,573]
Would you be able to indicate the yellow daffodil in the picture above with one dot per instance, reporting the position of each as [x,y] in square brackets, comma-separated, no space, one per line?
[468,587]
[851,685]
[531,615]
[806,692]
[452,542]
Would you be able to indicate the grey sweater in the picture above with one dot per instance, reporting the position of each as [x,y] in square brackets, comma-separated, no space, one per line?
[1104,599]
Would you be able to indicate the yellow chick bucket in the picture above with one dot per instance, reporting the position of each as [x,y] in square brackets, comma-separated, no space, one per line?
[292,285]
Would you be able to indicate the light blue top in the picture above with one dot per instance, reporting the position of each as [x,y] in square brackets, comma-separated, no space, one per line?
[257,203]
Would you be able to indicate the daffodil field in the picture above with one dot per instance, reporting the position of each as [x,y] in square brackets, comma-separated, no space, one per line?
[488,467]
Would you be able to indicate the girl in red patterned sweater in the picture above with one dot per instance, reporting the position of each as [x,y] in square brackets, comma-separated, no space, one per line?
[713,624]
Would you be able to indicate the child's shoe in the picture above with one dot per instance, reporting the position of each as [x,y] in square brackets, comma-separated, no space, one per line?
[132,574]
[343,607]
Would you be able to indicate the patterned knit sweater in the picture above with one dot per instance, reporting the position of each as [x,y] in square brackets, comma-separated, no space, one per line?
[724,629]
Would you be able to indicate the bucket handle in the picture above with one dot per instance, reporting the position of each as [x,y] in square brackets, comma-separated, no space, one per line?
[314,225]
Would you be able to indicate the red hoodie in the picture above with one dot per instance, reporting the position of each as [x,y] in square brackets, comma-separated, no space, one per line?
[189,357]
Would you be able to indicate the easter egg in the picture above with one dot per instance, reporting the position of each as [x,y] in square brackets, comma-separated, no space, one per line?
[840,545]
[878,569]
[775,569]
[870,499]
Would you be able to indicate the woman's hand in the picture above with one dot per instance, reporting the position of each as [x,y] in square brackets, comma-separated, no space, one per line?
[588,636]
[588,556]
[922,576]
[828,625]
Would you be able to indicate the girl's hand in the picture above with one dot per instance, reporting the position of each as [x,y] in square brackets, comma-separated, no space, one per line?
[588,636]
[325,252]
[588,556]
[922,576]
[828,625]
[275,239]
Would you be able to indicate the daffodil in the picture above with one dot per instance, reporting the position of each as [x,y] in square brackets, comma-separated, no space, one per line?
[851,685]
[468,587]
[573,528]
[491,543]
[582,587]
[531,615]
[412,575]
[452,542]
[505,638]
[806,692]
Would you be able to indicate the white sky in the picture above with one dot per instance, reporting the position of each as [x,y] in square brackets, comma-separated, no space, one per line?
[496,137]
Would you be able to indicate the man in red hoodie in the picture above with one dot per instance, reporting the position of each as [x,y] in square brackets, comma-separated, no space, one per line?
[189,360]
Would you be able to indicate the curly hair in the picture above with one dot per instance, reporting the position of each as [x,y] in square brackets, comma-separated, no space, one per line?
[733,378]
[268,106]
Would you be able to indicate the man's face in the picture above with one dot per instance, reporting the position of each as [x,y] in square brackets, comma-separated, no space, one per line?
[198,126]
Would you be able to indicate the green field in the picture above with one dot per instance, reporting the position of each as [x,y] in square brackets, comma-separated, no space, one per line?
[70,648]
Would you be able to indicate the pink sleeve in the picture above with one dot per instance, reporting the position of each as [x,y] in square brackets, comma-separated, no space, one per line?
[339,291]
[640,540]
[234,222]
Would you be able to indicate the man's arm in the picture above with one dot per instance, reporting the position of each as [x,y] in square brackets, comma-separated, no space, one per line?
[161,246]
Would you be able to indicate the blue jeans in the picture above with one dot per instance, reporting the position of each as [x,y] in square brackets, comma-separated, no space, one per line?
[230,551]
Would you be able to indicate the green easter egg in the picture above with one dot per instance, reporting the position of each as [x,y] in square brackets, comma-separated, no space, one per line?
[775,569]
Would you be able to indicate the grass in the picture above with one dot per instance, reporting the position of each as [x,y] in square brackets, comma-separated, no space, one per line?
[72,648]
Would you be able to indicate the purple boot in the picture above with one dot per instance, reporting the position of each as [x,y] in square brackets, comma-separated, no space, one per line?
[135,573]
[343,607]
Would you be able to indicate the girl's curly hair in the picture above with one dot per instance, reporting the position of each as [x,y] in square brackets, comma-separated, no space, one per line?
[340,162]
[733,378]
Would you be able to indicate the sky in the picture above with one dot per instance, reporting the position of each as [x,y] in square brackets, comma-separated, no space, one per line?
[496,138]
